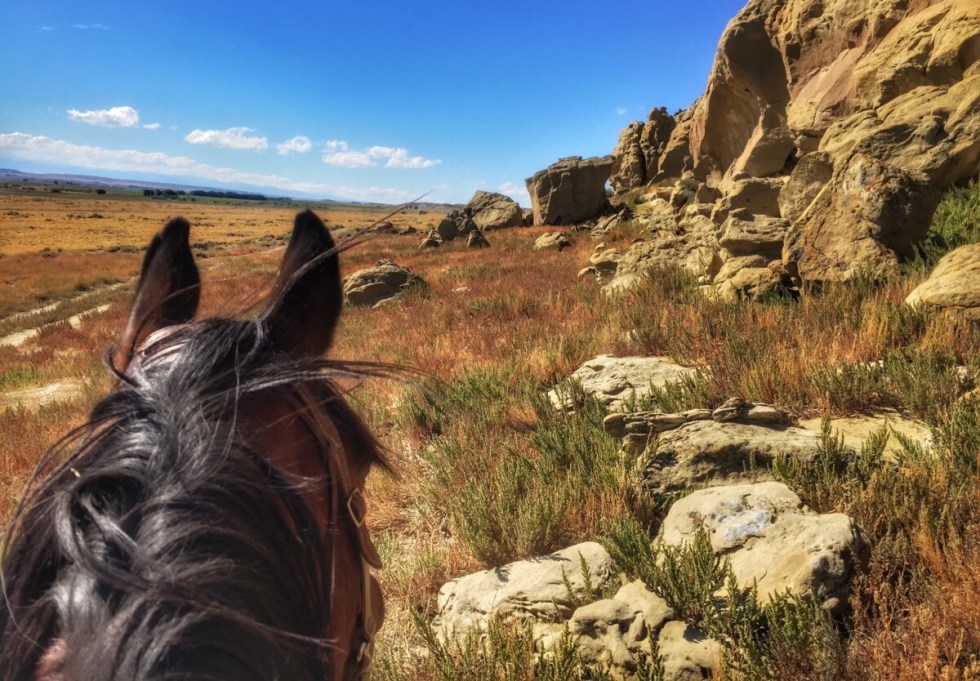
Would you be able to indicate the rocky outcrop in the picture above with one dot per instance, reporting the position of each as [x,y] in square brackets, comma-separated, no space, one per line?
[615,380]
[858,114]
[954,284]
[570,191]
[376,285]
[773,541]
[637,156]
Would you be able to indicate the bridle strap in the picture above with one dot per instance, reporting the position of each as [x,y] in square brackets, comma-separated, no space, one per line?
[313,414]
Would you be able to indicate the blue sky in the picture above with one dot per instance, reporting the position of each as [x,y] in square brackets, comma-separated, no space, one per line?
[373,101]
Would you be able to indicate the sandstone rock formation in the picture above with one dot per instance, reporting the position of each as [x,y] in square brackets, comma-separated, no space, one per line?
[954,284]
[773,540]
[638,153]
[537,588]
[614,380]
[570,191]
[373,286]
[558,240]
[845,119]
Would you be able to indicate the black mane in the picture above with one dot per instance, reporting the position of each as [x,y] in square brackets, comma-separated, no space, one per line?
[161,529]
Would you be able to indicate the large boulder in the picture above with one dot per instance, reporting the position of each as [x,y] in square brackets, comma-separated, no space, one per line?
[954,284]
[375,285]
[773,541]
[528,590]
[570,191]
[490,211]
[870,217]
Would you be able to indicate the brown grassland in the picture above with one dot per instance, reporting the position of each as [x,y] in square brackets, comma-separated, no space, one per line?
[487,471]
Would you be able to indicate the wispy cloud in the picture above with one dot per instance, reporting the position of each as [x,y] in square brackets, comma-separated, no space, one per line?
[232,138]
[152,126]
[515,191]
[337,152]
[621,111]
[44,28]
[44,149]
[116,117]
[90,27]
[299,144]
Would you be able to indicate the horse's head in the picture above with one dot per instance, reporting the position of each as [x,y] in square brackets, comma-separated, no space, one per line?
[225,450]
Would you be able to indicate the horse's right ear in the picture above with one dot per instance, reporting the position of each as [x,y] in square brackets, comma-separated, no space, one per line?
[168,291]
[308,295]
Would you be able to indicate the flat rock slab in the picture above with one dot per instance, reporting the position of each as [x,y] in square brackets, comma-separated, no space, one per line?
[857,429]
[702,451]
[773,540]
[613,380]
[535,589]
[40,396]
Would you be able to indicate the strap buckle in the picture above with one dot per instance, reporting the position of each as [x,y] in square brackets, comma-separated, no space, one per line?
[356,507]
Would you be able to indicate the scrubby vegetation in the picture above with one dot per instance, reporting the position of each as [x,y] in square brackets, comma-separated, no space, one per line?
[491,472]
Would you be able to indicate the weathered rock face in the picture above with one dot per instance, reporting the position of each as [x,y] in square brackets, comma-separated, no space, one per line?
[376,285]
[570,191]
[773,540]
[868,108]
[872,214]
[954,284]
[490,211]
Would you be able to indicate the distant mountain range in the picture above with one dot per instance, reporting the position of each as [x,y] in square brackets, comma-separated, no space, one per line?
[12,175]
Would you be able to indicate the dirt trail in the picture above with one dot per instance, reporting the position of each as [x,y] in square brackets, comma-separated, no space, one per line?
[75,321]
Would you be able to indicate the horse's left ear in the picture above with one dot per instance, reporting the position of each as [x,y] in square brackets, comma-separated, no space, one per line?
[168,291]
[308,297]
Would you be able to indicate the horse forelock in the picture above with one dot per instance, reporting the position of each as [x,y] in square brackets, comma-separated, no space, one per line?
[164,541]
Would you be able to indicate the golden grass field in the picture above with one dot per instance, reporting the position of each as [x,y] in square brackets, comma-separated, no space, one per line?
[510,322]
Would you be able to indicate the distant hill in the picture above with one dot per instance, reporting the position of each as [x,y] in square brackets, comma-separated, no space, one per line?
[13,175]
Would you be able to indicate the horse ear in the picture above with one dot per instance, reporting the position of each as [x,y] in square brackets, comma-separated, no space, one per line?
[307,299]
[168,291]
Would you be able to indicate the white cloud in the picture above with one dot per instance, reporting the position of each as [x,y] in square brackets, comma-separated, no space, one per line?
[621,111]
[152,126]
[89,27]
[515,191]
[44,149]
[43,29]
[337,153]
[299,144]
[232,138]
[348,159]
[116,117]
